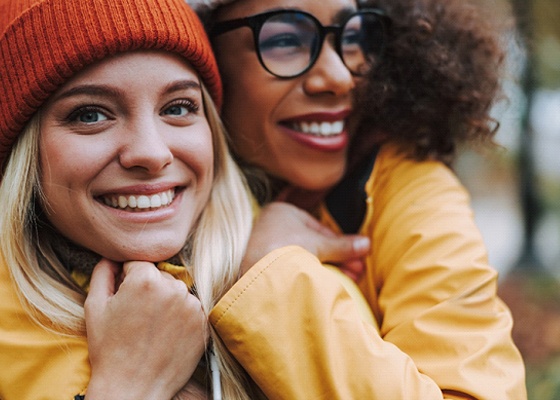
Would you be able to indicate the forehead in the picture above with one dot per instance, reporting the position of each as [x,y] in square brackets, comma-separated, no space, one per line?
[142,66]
[324,10]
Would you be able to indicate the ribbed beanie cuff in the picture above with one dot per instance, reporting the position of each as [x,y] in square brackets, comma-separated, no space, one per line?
[44,43]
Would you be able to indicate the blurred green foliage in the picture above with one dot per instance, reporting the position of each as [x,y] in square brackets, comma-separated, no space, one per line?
[546,24]
[543,381]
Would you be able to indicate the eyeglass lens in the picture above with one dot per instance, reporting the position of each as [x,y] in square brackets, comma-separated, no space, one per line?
[289,43]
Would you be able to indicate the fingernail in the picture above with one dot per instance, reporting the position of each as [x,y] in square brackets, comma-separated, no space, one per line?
[361,244]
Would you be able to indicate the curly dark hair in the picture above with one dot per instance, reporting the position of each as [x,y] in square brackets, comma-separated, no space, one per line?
[436,83]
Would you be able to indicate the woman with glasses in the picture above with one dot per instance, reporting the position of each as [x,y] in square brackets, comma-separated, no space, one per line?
[290,69]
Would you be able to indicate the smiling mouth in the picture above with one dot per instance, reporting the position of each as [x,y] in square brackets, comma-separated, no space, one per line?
[321,129]
[140,202]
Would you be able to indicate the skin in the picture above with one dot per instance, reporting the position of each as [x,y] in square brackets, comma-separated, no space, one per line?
[283,224]
[129,346]
[135,144]
[107,134]
[131,125]
[262,111]
[266,135]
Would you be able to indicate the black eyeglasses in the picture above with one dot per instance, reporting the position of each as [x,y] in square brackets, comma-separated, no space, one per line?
[288,42]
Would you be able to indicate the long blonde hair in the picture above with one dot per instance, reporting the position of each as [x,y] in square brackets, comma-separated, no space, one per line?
[215,246]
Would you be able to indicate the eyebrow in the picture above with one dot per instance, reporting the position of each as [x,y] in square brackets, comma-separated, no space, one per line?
[91,90]
[186,84]
[109,91]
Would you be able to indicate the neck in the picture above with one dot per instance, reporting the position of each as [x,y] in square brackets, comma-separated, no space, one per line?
[73,256]
[308,200]
[77,258]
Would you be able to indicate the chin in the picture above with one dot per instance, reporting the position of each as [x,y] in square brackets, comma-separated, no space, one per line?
[319,185]
[318,180]
[152,254]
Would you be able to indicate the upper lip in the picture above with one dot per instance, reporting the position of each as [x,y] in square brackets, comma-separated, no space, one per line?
[141,189]
[320,117]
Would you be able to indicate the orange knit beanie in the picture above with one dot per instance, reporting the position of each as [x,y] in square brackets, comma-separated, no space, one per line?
[43,43]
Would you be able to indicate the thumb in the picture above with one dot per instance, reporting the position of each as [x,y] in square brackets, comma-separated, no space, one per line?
[343,248]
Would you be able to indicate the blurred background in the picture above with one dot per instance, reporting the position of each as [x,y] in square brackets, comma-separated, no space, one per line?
[516,189]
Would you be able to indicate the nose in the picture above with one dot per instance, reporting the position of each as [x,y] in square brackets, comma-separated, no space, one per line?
[145,148]
[329,74]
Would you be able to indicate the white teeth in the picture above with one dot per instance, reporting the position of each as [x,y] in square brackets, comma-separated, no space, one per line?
[132,203]
[142,201]
[315,128]
[155,201]
[320,128]
[123,202]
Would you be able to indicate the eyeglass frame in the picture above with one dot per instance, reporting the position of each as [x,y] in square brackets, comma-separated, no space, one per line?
[257,21]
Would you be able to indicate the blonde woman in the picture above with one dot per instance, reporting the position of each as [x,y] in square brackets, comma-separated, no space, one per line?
[111,150]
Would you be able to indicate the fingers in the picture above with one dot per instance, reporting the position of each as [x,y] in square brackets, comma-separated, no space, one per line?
[281,224]
[347,252]
[129,332]
[354,269]
[342,248]
[129,266]
[145,276]
[141,270]
[360,245]
[101,287]
[103,278]
[314,224]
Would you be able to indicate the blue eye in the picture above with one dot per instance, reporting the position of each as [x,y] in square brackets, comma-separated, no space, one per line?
[87,115]
[176,110]
[91,117]
[180,108]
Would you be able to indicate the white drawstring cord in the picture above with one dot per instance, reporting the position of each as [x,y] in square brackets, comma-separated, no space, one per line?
[216,383]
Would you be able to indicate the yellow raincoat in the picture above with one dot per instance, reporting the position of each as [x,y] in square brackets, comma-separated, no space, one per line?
[296,330]
[443,331]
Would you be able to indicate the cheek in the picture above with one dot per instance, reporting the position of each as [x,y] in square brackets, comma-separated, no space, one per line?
[57,167]
[248,90]
[69,166]
[247,108]
[198,156]
[67,162]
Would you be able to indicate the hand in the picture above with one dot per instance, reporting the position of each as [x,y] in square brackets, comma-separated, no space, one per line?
[145,336]
[282,224]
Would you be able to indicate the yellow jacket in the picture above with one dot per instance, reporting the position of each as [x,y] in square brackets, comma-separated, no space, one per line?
[39,365]
[296,330]
[36,364]
[443,331]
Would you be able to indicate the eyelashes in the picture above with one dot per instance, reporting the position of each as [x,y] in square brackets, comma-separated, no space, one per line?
[88,115]
[92,114]
[181,108]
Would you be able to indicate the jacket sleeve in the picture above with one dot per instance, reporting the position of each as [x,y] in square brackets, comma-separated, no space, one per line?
[294,328]
[430,284]
[36,363]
